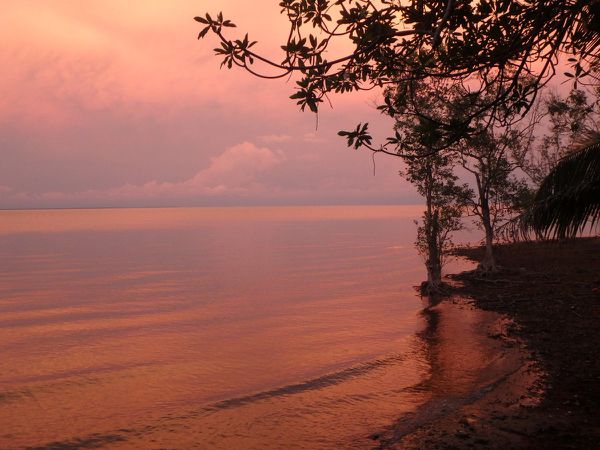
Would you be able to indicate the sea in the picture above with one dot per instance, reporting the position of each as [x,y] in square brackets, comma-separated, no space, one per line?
[223,328]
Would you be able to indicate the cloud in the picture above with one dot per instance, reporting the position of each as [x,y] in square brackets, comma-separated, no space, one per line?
[275,138]
[63,59]
[238,166]
[235,172]
[313,137]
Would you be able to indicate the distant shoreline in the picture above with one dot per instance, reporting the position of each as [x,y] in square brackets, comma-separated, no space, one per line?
[119,219]
[224,206]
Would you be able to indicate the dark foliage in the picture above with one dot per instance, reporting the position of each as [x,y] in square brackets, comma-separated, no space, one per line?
[568,199]
[495,44]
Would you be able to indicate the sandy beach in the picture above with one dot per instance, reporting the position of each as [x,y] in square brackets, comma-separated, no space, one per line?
[549,294]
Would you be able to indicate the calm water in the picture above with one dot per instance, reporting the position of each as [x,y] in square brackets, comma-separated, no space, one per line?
[288,327]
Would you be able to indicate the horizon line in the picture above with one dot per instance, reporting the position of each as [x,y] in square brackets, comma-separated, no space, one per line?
[59,208]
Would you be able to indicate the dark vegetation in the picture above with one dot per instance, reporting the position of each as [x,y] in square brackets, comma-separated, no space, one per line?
[396,43]
[553,292]
[568,199]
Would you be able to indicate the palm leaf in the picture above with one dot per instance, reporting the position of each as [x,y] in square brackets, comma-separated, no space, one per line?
[568,199]
[587,30]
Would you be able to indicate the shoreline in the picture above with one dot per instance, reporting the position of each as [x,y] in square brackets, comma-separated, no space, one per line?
[549,293]
[499,366]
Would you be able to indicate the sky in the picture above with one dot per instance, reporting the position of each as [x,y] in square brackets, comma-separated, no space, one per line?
[113,103]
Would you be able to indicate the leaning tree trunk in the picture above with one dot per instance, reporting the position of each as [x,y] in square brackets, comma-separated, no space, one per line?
[488,263]
[433,263]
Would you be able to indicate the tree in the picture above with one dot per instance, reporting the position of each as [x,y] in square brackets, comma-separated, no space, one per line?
[397,42]
[572,127]
[499,193]
[486,154]
[435,181]
[432,174]
[566,119]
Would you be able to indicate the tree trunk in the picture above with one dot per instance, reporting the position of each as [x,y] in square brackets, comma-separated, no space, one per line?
[434,263]
[488,264]
[433,285]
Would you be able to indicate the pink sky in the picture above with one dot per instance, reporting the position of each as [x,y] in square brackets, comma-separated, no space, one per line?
[112,103]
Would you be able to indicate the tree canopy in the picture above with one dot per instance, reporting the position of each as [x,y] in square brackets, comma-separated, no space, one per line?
[507,47]
[565,119]
[432,173]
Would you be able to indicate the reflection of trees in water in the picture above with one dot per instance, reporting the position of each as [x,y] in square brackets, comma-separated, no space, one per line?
[460,361]
[438,390]
[454,347]
[429,345]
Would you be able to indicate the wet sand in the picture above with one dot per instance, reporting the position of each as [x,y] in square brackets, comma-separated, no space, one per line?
[503,376]
[550,295]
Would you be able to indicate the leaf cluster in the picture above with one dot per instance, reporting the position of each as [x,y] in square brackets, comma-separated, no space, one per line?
[500,43]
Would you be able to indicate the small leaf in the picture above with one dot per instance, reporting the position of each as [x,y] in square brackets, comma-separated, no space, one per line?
[203,33]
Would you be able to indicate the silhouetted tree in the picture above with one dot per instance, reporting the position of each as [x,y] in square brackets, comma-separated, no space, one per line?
[431,173]
[499,194]
[495,44]
[566,119]
[434,180]
[504,50]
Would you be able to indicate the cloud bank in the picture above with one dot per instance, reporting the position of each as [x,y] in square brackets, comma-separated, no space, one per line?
[111,103]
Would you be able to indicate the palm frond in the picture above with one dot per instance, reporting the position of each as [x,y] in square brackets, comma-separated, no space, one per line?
[568,199]
[587,31]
